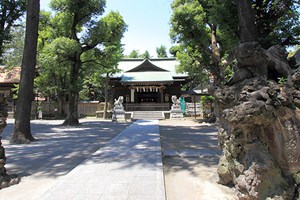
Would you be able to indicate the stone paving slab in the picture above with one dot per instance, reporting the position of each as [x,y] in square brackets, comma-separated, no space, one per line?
[128,168]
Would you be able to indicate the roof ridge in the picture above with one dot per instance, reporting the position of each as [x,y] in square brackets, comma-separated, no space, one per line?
[146,65]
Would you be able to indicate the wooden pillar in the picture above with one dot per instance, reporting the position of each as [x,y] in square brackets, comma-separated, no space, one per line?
[132,91]
[161,94]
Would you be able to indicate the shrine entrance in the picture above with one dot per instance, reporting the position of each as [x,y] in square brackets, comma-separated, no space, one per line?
[147,85]
[147,97]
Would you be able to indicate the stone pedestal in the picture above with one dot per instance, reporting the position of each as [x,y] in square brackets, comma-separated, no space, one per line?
[118,113]
[176,112]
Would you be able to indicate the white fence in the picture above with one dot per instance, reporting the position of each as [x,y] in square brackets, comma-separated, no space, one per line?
[193,108]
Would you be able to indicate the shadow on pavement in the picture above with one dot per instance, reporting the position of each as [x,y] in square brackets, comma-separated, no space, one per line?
[193,139]
[59,149]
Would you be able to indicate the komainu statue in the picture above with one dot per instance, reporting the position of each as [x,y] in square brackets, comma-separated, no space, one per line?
[175,100]
[119,101]
[254,61]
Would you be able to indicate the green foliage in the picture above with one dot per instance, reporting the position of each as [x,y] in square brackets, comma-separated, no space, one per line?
[133,54]
[194,68]
[277,22]
[194,27]
[13,51]
[206,98]
[10,13]
[193,23]
[228,73]
[282,80]
[97,67]
[146,54]
[55,66]
[188,18]
[15,91]
[77,38]
[136,54]
[161,51]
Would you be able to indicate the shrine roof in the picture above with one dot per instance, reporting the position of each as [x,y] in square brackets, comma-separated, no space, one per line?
[148,70]
[154,76]
[10,75]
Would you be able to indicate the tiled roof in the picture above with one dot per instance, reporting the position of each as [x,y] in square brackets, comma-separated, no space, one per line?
[148,70]
[146,76]
[10,75]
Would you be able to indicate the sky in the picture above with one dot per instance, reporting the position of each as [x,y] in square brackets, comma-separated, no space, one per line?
[147,20]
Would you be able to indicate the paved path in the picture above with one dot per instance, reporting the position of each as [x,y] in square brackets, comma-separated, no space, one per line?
[128,168]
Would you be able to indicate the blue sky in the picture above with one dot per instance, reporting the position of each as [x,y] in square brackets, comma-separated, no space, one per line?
[147,20]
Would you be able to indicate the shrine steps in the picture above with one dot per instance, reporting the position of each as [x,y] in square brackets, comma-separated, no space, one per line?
[150,115]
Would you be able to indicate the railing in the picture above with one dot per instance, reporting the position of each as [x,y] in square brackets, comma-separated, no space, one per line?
[147,106]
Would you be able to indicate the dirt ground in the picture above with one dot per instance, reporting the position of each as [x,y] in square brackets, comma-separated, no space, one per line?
[190,160]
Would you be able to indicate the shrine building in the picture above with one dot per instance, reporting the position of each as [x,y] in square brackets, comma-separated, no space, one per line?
[147,84]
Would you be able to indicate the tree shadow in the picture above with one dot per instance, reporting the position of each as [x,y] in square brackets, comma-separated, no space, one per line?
[138,146]
[196,140]
[58,149]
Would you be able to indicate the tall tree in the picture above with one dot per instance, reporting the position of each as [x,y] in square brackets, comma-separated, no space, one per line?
[161,51]
[194,29]
[247,26]
[100,67]
[55,68]
[277,22]
[22,131]
[207,30]
[79,21]
[10,12]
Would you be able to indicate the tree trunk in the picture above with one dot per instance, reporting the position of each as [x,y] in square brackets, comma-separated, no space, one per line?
[105,96]
[216,57]
[22,133]
[72,117]
[247,25]
[61,103]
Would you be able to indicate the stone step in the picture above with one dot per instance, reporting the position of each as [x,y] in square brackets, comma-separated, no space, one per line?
[10,115]
[148,115]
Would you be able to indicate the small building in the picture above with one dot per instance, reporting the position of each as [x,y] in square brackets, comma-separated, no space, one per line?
[9,77]
[147,84]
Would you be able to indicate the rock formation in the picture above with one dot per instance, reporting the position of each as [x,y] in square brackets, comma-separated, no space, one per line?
[5,179]
[259,122]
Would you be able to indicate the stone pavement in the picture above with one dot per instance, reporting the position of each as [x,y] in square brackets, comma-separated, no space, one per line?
[129,167]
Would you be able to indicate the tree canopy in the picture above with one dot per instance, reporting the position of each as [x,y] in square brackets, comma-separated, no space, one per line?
[207,30]
[82,39]
[10,12]
[161,51]
[13,50]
